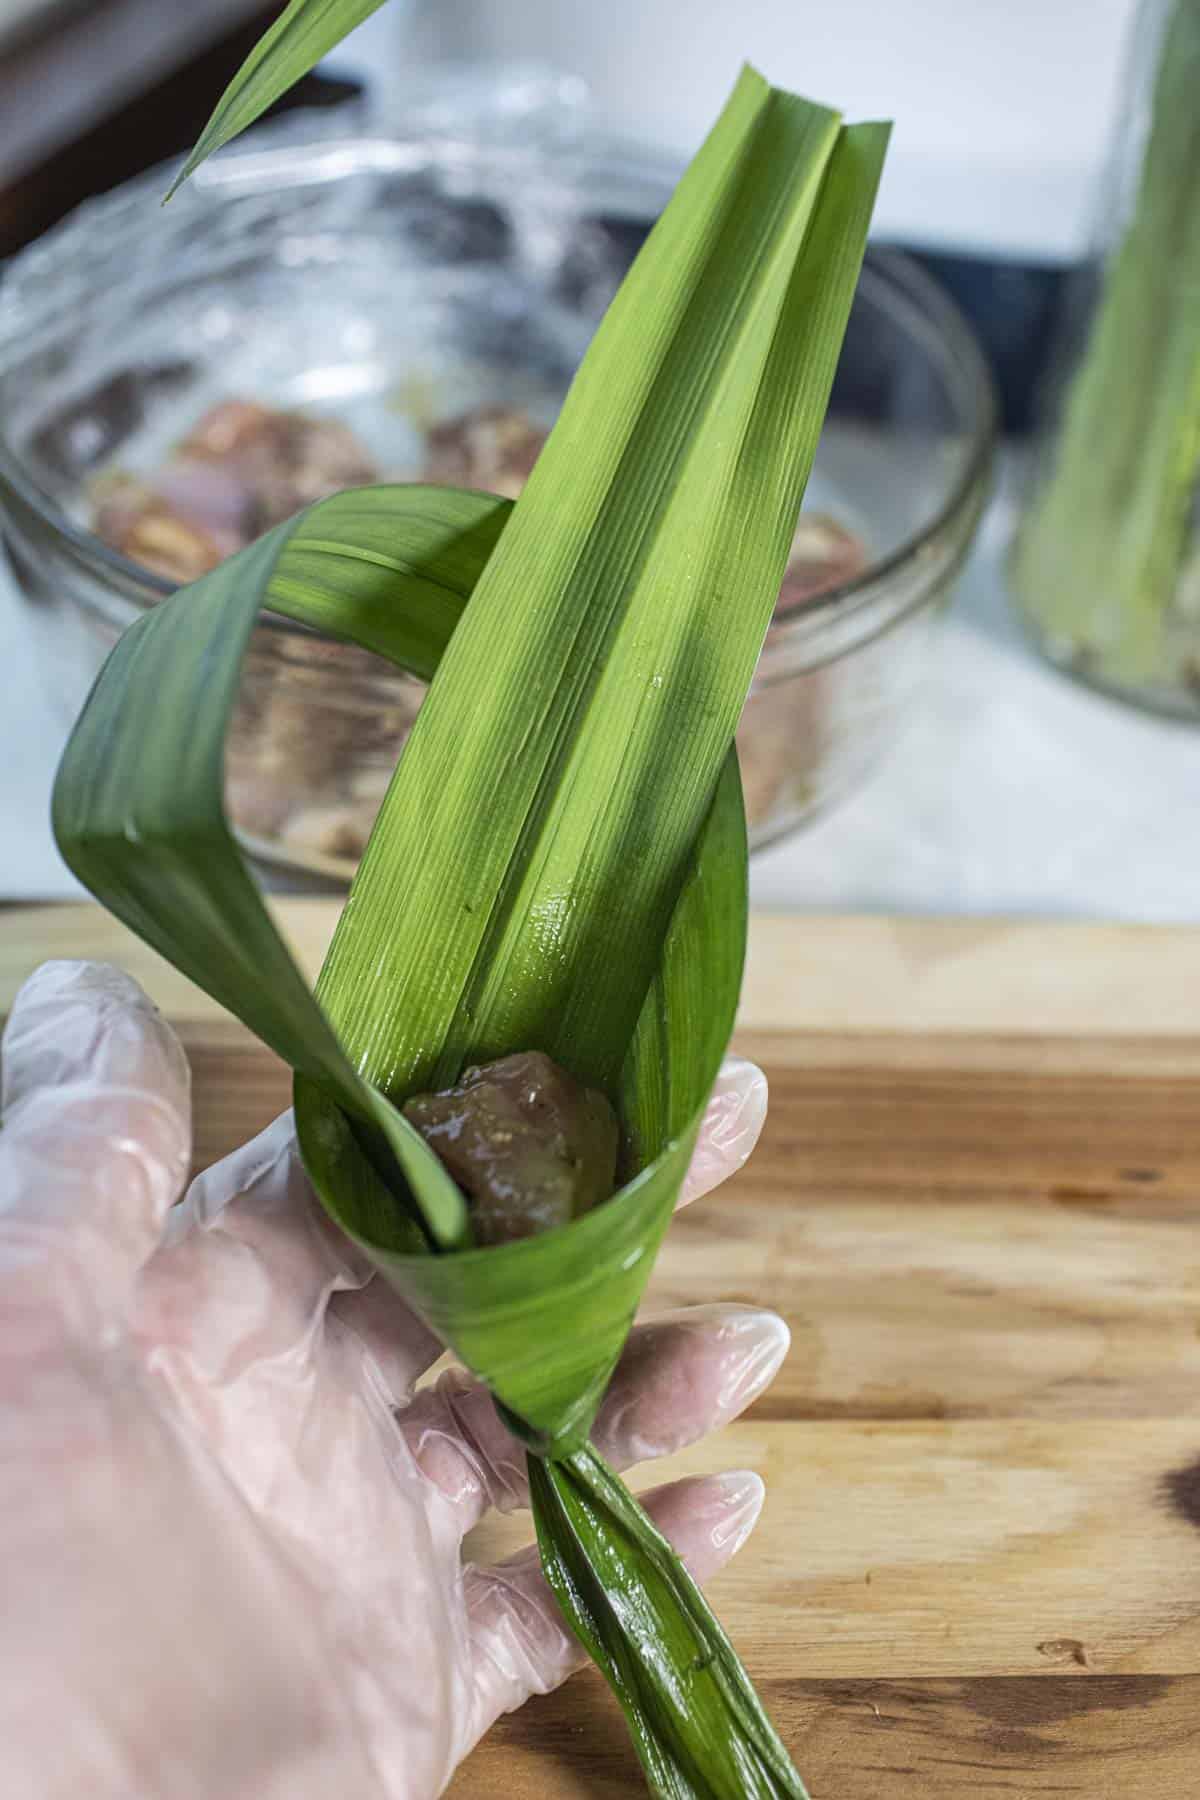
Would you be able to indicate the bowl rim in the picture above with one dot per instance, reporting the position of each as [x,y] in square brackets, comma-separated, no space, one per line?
[889,275]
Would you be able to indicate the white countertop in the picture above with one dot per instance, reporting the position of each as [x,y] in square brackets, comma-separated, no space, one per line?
[1012,791]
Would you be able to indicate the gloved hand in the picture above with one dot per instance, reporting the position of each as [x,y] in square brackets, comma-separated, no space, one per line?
[229,1533]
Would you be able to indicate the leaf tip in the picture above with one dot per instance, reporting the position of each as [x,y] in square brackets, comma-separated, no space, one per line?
[177,183]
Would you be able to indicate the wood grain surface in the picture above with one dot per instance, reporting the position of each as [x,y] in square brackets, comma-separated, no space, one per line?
[978,1570]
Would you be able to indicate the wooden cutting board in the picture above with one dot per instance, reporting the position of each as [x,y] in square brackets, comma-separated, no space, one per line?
[976,1204]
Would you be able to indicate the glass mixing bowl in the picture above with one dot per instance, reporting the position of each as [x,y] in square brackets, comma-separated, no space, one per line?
[393,280]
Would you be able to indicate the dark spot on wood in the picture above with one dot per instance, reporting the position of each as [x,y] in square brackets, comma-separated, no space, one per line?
[1011,1741]
[1181,1490]
[1066,1649]
[874,1404]
[1143,1176]
[1067,1195]
[1021,1704]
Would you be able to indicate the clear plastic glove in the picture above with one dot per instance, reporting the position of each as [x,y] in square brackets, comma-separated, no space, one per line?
[229,1534]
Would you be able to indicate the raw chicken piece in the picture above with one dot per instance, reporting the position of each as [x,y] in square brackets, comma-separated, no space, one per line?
[530,1146]
[210,496]
[134,518]
[285,459]
[493,448]
[242,469]
[783,733]
[824,555]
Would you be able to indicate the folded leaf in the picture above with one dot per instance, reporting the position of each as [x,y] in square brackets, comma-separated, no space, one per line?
[137,806]
[390,568]
[560,861]
[529,853]
[520,886]
[543,1319]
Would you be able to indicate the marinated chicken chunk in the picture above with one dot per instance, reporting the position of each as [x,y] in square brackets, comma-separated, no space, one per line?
[242,469]
[493,448]
[529,1145]
[286,460]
